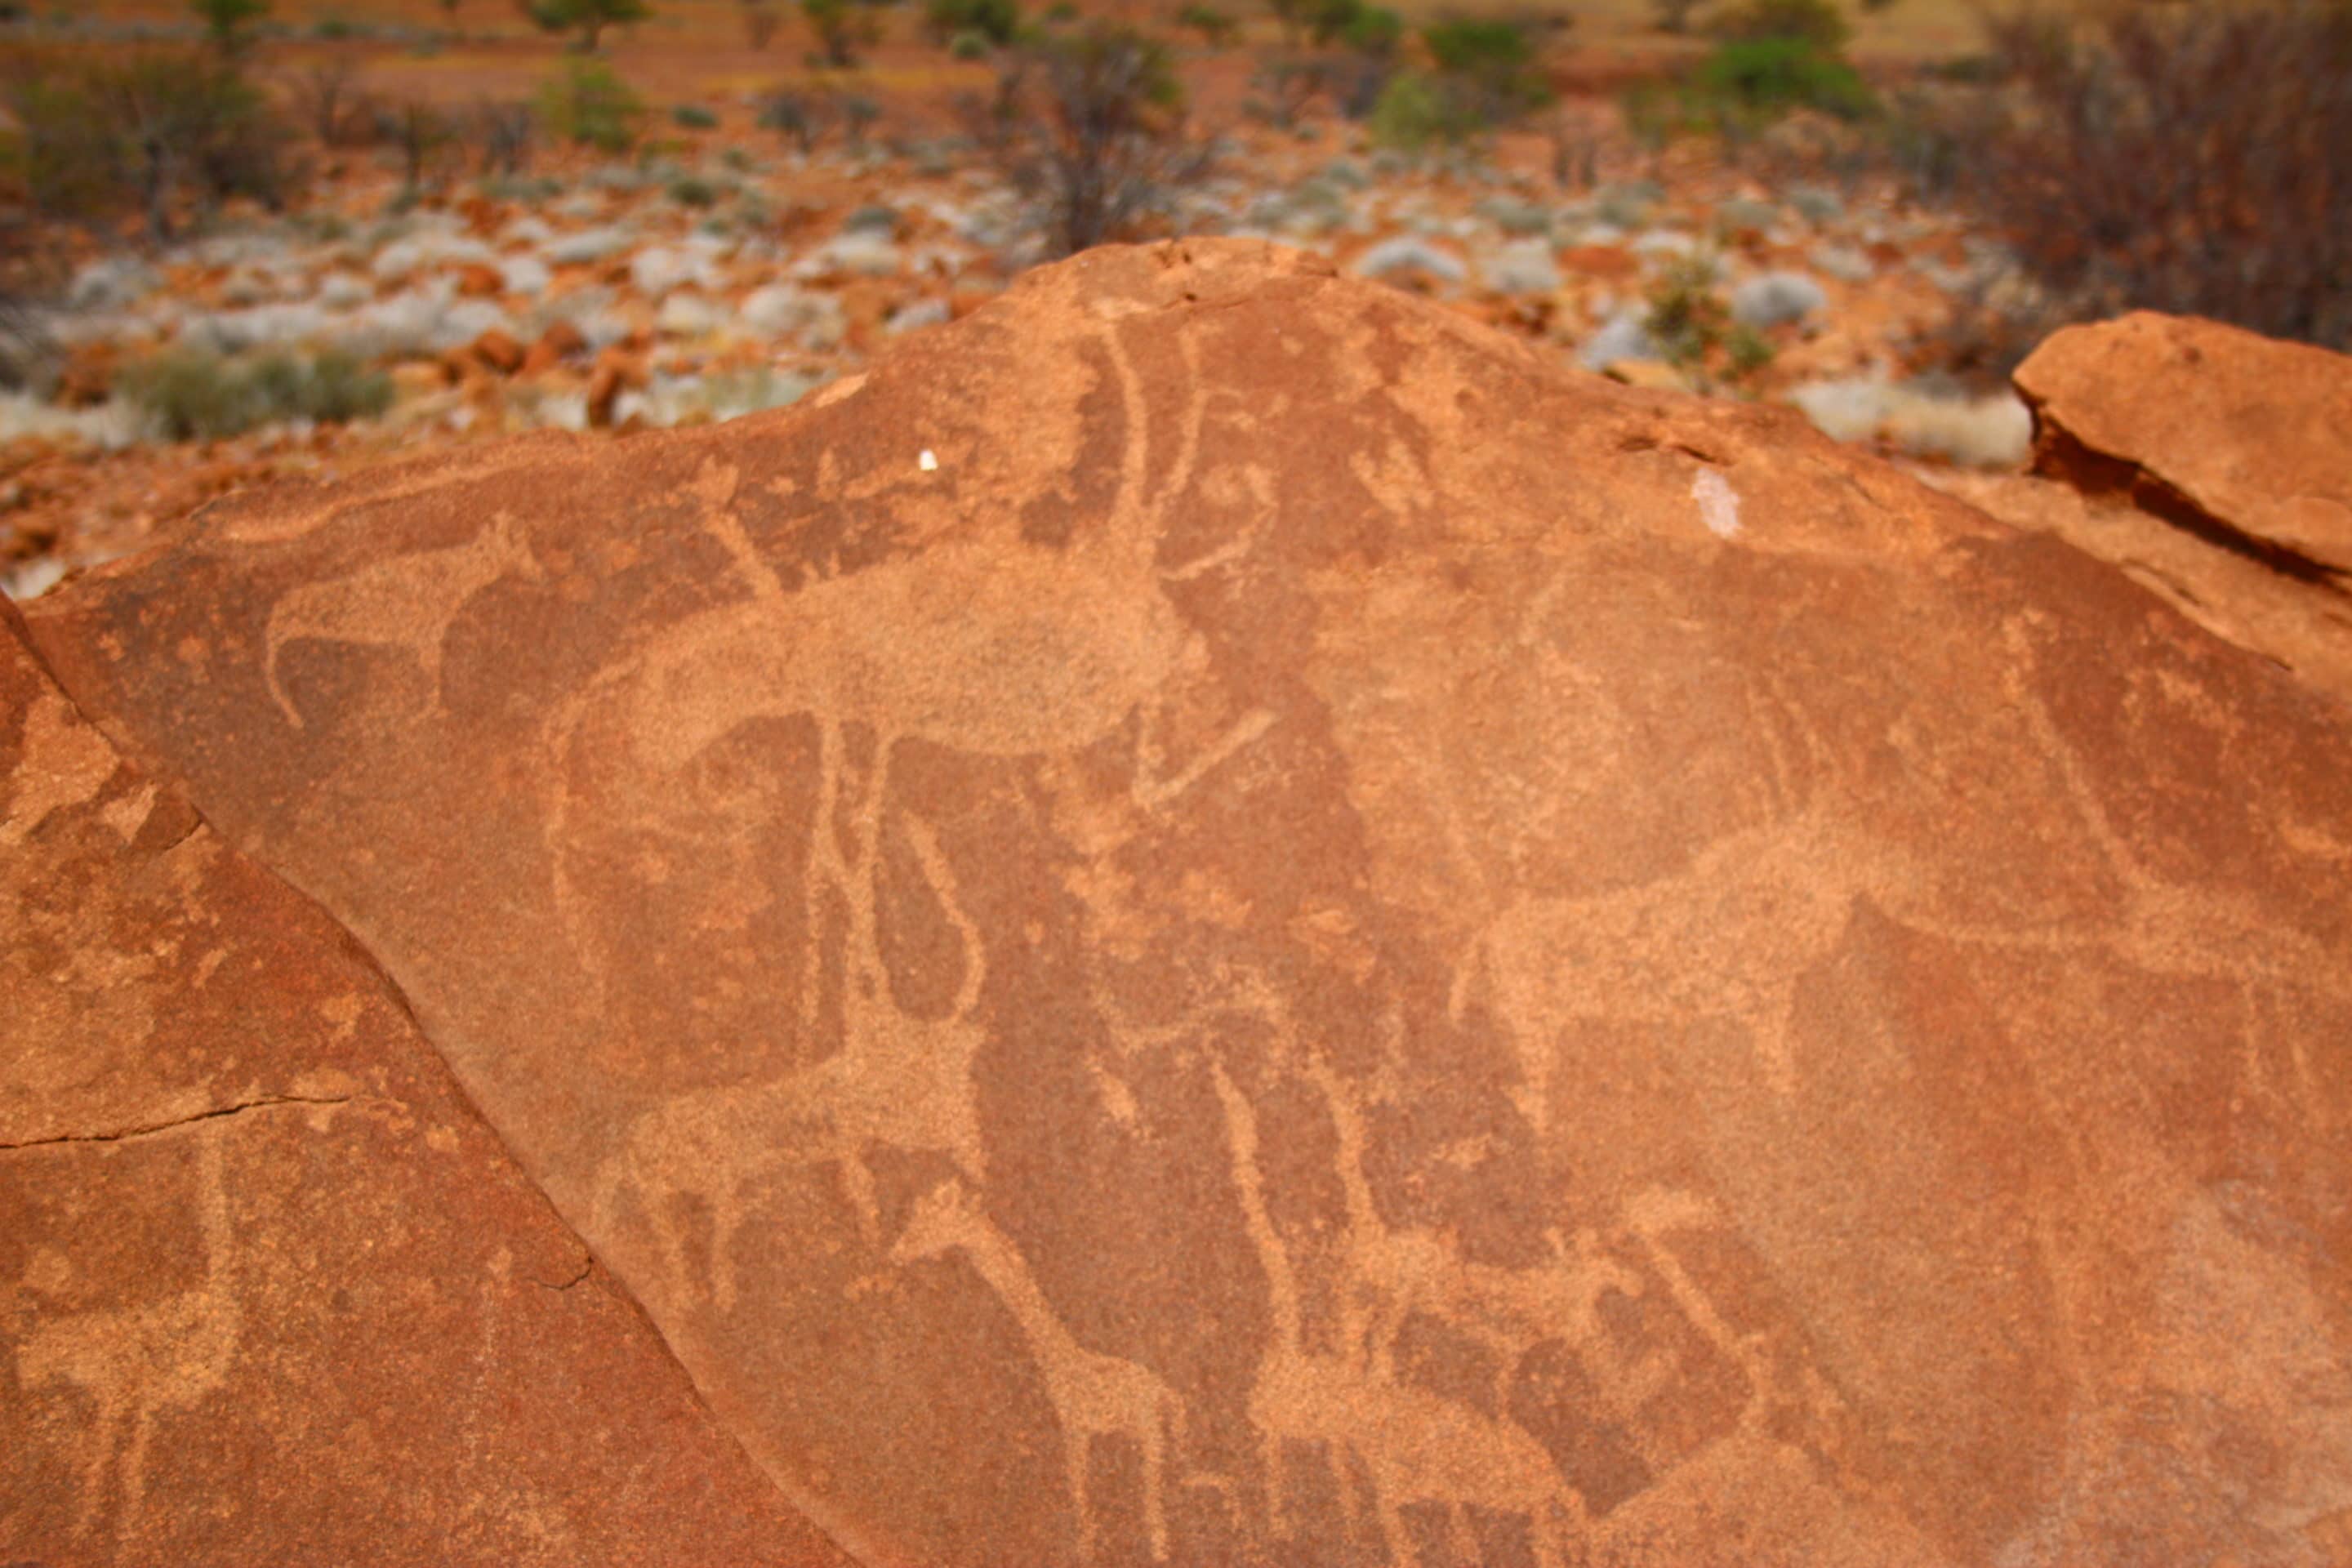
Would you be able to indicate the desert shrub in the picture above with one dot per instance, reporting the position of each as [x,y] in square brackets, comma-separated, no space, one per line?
[2187,158]
[968,46]
[1414,114]
[761,21]
[842,27]
[229,24]
[1674,16]
[1487,73]
[1489,66]
[997,22]
[802,117]
[1815,22]
[422,133]
[186,395]
[150,132]
[500,134]
[1217,29]
[1061,14]
[1746,81]
[587,104]
[1692,326]
[689,191]
[329,99]
[1090,126]
[588,18]
[694,117]
[859,114]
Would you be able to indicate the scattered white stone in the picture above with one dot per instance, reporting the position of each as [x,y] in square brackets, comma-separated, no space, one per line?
[110,427]
[657,270]
[862,254]
[1843,262]
[1991,432]
[33,579]
[344,291]
[1777,298]
[1523,267]
[586,247]
[777,312]
[404,256]
[1625,338]
[1407,254]
[1665,242]
[111,284]
[915,317]
[259,327]
[929,461]
[525,275]
[687,315]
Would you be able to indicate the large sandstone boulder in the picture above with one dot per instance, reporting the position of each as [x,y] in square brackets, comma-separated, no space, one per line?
[1215,918]
[269,1290]
[2211,466]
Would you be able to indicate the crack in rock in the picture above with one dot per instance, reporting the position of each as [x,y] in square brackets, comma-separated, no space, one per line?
[266,1102]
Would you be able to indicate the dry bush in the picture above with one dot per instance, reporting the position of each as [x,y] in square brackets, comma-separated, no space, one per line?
[1091,128]
[153,132]
[2195,158]
[329,99]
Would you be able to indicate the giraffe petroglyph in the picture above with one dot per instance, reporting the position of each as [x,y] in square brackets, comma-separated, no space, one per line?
[405,602]
[1416,1446]
[897,1079]
[968,646]
[1093,1395]
[137,1365]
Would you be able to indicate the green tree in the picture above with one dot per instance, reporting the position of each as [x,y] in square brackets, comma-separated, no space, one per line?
[588,18]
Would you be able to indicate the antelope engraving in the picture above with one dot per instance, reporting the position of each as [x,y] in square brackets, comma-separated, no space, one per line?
[138,1364]
[407,602]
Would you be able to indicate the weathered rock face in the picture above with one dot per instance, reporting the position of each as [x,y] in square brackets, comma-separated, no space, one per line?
[2210,465]
[1215,918]
[269,1291]
[2248,431]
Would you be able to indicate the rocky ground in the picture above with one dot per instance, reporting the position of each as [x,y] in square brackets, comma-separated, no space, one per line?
[725,271]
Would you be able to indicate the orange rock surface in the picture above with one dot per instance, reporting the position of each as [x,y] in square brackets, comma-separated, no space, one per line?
[1218,918]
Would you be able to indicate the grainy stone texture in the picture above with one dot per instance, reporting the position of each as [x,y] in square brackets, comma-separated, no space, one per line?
[269,1291]
[1322,941]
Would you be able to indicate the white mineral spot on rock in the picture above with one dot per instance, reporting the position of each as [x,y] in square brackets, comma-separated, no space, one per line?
[929,461]
[1718,503]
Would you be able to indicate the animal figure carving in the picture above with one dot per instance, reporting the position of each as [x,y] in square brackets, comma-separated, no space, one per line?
[1416,1447]
[407,601]
[1394,1272]
[897,1079]
[1093,1395]
[140,1363]
[969,645]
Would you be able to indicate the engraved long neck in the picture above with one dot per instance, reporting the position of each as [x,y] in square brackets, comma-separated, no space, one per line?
[1241,1131]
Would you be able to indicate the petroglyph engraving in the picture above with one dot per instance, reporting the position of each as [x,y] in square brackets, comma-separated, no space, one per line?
[1093,1395]
[1394,1272]
[896,1080]
[966,646]
[140,1363]
[407,602]
[1416,1447]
